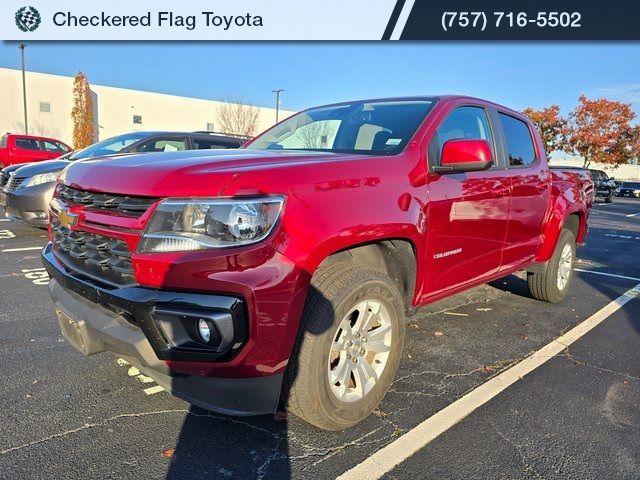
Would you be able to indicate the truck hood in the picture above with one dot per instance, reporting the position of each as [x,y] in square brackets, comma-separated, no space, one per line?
[180,174]
[36,168]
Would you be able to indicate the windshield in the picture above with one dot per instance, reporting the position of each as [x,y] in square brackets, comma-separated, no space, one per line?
[631,185]
[109,146]
[379,127]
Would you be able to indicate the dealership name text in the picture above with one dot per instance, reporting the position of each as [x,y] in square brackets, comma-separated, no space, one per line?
[160,19]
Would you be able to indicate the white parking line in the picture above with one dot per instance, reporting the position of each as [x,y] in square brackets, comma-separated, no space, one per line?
[595,272]
[385,459]
[5,220]
[153,390]
[24,249]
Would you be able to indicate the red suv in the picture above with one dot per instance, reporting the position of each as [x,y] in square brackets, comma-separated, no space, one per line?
[28,148]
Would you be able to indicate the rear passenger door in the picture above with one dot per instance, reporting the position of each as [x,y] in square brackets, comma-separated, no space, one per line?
[531,190]
[27,150]
[467,213]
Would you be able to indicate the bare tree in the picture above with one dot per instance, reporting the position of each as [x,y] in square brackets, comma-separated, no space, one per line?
[237,117]
[316,135]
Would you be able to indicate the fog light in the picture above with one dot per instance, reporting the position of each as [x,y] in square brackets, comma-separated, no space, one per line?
[204,330]
[41,214]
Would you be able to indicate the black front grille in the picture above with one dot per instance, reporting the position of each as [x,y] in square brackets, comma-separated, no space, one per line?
[14,183]
[130,206]
[104,259]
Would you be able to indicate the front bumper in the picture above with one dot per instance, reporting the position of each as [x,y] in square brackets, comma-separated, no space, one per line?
[30,204]
[126,321]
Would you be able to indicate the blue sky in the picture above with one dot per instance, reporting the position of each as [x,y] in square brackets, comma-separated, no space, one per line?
[516,74]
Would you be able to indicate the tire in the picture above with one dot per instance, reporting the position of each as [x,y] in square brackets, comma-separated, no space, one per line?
[334,294]
[547,285]
[609,199]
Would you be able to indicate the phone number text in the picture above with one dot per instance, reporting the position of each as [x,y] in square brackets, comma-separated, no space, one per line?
[481,20]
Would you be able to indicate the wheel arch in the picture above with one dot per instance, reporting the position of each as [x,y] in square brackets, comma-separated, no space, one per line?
[395,257]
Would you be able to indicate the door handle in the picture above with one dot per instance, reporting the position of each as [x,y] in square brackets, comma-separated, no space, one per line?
[502,192]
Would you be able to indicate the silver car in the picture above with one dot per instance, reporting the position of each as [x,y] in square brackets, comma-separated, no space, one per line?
[27,189]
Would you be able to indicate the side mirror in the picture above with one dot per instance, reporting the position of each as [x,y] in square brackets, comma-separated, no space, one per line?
[464,156]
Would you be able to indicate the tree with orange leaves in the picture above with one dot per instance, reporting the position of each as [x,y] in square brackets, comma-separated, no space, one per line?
[600,131]
[82,113]
[552,126]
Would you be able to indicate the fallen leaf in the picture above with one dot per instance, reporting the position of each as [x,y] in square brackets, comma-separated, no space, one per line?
[484,309]
[415,326]
[438,334]
[487,368]
[168,453]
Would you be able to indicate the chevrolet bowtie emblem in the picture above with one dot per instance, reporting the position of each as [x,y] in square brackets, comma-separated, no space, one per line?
[67,219]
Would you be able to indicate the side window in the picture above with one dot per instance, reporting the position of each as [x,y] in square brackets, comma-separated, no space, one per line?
[462,123]
[519,141]
[27,144]
[3,141]
[201,144]
[162,145]
[52,146]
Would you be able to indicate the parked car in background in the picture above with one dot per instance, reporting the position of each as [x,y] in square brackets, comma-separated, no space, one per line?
[604,185]
[18,149]
[27,189]
[287,267]
[629,189]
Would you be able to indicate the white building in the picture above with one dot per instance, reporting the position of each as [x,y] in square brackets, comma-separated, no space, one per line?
[118,110]
[620,172]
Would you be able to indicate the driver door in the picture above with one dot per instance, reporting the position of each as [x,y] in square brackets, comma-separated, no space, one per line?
[467,213]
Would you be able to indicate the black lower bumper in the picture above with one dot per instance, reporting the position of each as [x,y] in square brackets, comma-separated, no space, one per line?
[166,318]
[129,323]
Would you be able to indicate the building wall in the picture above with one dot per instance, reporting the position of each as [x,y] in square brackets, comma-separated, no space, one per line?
[620,172]
[115,108]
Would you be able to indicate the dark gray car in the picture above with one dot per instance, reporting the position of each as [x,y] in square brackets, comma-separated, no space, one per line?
[28,188]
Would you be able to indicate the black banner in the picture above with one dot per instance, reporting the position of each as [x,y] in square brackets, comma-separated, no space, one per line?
[509,20]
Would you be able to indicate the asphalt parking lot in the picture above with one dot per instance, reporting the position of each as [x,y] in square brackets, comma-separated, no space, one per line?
[576,416]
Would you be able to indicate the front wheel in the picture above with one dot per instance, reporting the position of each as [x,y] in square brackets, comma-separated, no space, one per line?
[349,347]
[552,285]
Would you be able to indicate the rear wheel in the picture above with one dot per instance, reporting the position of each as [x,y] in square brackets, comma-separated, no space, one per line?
[552,285]
[349,347]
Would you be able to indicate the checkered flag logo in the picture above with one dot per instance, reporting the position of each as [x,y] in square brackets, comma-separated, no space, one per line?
[28,19]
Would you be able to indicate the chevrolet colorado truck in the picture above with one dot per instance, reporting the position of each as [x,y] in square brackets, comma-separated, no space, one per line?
[284,271]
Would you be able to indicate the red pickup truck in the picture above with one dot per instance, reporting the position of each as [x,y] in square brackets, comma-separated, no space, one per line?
[15,149]
[283,271]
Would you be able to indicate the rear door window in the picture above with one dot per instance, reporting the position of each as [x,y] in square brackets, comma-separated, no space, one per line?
[519,141]
[162,145]
[27,144]
[205,144]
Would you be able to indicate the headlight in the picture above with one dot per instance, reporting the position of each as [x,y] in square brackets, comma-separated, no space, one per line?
[197,224]
[41,178]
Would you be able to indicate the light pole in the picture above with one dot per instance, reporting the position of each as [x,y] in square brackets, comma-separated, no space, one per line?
[277,92]
[24,89]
